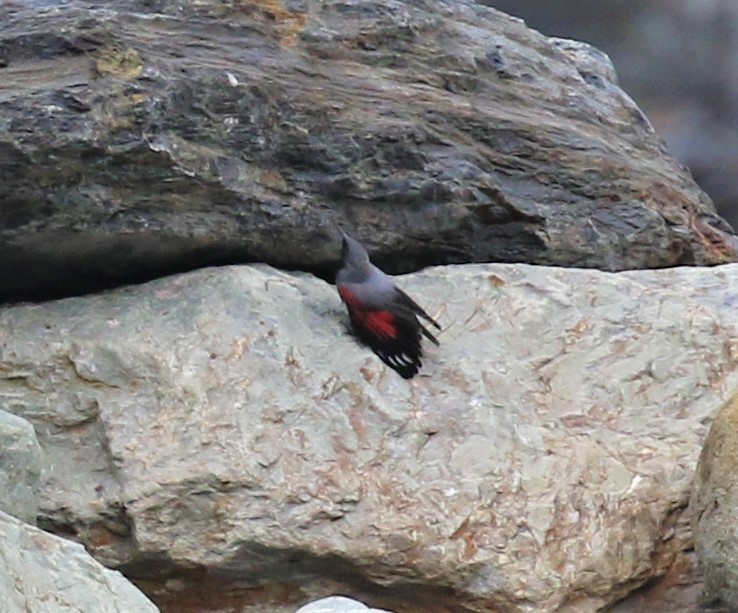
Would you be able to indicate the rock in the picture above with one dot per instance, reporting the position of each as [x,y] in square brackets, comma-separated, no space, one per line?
[338,604]
[687,90]
[20,465]
[678,591]
[223,440]
[714,507]
[141,138]
[43,573]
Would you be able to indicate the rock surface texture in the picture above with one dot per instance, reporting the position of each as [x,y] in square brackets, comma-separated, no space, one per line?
[42,573]
[20,467]
[222,439]
[142,137]
[677,58]
[714,508]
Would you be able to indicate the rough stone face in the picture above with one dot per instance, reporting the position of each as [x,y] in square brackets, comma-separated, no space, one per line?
[714,507]
[677,58]
[678,591]
[43,573]
[222,439]
[142,137]
[20,465]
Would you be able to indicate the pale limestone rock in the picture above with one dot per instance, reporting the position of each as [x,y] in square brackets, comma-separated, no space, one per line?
[338,604]
[714,507]
[42,573]
[224,420]
[20,467]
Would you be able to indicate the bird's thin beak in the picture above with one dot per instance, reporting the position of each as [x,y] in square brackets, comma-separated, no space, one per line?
[344,248]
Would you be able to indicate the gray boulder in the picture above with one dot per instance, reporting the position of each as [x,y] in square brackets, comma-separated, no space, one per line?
[219,435]
[140,138]
[714,507]
[20,464]
[43,573]
[677,58]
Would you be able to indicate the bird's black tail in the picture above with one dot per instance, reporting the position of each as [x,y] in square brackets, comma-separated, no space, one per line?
[416,308]
[428,334]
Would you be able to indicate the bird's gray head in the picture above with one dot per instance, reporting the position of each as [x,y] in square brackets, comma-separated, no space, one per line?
[353,254]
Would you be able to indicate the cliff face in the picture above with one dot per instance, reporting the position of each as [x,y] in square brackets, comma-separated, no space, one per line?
[149,137]
[219,438]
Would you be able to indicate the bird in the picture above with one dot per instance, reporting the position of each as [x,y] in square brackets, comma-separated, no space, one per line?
[383,316]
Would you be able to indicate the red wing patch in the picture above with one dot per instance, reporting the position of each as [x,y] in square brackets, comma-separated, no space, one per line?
[348,298]
[381,324]
[394,338]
